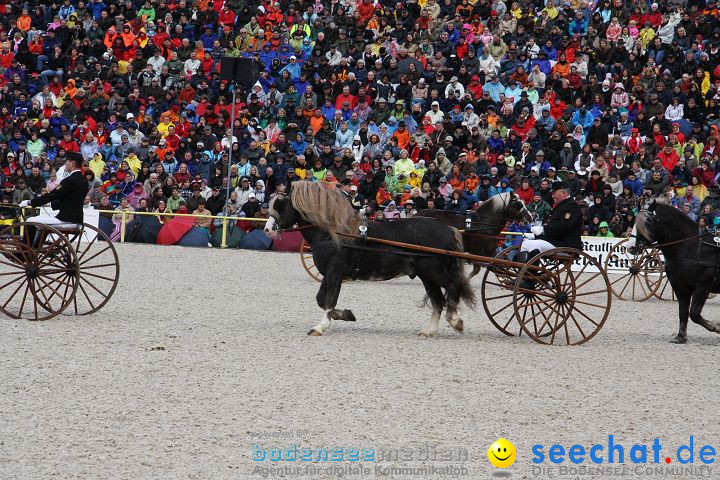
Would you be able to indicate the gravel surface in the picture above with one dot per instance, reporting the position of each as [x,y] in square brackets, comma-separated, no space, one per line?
[203,353]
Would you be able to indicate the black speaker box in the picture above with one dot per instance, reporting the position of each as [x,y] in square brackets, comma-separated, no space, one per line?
[243,71]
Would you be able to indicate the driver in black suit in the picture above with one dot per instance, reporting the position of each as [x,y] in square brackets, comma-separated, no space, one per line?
[68,197]
[563,227]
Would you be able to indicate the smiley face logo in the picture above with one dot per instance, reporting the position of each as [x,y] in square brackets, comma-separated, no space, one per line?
[502,453]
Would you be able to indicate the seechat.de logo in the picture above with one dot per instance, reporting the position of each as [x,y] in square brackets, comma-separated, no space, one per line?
[615,452]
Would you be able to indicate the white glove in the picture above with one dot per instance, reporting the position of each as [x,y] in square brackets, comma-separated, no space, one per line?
[529,236]
[24,203]
[537,230]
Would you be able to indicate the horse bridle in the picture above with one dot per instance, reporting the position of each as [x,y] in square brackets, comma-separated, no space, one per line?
[655,244]
[276,225]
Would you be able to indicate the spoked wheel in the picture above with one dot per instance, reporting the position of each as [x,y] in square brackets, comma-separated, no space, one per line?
[497,293]
[665,291]
[38,272]
[643,272]
[99,270]
[555,305]
[308,263]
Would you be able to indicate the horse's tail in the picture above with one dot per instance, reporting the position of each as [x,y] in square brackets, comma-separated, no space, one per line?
[467,294]
[459,245]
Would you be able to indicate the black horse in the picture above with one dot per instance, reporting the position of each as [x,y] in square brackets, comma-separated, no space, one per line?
[482,227]
[324,216]
[692,260]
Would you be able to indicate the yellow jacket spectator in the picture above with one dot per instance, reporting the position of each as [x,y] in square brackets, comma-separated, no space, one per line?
[134,162]
[97,165]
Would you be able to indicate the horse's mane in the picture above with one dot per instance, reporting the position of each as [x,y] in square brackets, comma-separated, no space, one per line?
[685,225]
[497,203]
[326,208]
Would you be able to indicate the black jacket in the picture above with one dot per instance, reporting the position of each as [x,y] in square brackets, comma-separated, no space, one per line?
[68,198]
[563,227]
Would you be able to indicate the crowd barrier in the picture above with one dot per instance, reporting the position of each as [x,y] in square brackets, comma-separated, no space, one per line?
[225,220]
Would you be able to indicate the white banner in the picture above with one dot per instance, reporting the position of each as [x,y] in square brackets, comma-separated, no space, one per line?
[599,248]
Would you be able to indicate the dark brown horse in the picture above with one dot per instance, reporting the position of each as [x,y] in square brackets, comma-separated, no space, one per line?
[481,228]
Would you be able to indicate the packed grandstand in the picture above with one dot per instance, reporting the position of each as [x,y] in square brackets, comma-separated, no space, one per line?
[403,105]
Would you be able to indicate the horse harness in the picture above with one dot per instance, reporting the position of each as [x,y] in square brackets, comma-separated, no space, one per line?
[363,246]
[714,246]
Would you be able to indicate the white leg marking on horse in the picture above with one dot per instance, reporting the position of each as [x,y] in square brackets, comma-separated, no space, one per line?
[432,326]
[454,320]
[322,327]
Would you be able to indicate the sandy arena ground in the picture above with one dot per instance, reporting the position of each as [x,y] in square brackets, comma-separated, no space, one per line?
[203,353]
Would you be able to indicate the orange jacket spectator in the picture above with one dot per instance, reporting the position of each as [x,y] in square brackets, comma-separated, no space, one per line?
[172,113]
[127,35]
[471,182]
[110,37]
[403,137]
[316,122]
[562,69]
[36,45]
[187,94]
[24,22]
[382,196]
[162,151]
[274,16]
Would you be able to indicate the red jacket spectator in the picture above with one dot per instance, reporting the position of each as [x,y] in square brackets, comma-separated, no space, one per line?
[227,16]
[345,98]
[69,145]
[653,17]
[366,10]
[526,194]
[634,142]
[669,157]
[705,174]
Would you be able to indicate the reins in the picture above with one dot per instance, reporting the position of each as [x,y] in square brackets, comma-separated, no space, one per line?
[674,242]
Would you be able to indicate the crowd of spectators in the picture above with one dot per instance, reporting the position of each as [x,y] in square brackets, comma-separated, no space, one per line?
[404,105]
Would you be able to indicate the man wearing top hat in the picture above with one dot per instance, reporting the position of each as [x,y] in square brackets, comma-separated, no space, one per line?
[562,228]
[68,197]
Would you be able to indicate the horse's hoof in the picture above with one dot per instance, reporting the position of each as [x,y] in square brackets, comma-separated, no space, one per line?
[679,340]
[424,335]
[315,333]
[349,316]
[459,326]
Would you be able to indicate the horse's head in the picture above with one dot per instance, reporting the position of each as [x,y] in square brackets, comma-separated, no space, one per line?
[645,230]
[282,215]
[516,209]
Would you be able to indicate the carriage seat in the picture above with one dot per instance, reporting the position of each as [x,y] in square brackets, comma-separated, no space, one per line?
[566,256]
[65,227]
[69,227]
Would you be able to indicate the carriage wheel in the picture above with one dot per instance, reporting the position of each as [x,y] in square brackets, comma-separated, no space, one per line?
[498,305]
[38,272]
[308,263]
[643,272]
[665,291]
[99,270]
[564,307]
